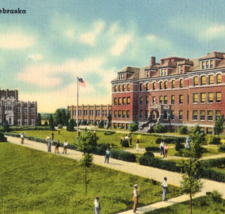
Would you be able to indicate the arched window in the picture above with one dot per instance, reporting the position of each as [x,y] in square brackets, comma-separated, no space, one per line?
[147,86]
[181,83]
[203,80]
[173,83]
[211,79]
[160,99]
[219,78]
[115,88]
[154,85]
[128,87]
[147,100]
[165,85]
[124,87]
[119,89]
[141,100]
[195,81]
[161,85]
[141,87]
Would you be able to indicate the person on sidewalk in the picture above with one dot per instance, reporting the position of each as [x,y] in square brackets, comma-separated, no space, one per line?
[22,136]
[52,136]
[135,197]
[107,154]
[165,151]
[57,145]
[65,144]
[161,147]
[137,144]
[97,205]
[164,189]
[48,140]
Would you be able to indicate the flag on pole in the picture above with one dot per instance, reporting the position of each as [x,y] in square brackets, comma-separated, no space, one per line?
[81,82]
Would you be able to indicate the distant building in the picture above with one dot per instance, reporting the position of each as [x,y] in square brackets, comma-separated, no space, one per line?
[92,114]
[175,92]
[16,112]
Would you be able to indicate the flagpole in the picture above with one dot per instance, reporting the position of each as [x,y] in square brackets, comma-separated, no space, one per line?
[77,103]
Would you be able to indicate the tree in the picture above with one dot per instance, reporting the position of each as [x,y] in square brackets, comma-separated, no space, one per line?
[6,127]
[61,116]
[101,124]
[182,130]
[218,127]
[159,128]
[39,119]
[133,126]
[70,126]
[51,124]
[109,121]
[84,143]
[191,183]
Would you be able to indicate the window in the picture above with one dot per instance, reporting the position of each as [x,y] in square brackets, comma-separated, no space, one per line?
[154,85]
[141,100]
[146,114]
[153,99]
[128,87]
[211,64]
[18,122]
[119,89]
[207,64]
[173,83]
[209,131]
[140,114]
[25,110]
[218,96]
[210,115]
[181,83]
[203,80]
[119,100]
[115,114]
[115,88]
[218,114]
[123,114]
[32,110]
[124,100]
[202,115]
[141,87]
[124,87]
[165,99]
[160,99]
[210,97]
[115,101]
[18,110]
[173,99]
[128,114]
[203,65]
[180,99]
[219,78]
[180,115]
[165,85]
[147,100]
[161,85]
[211,79]
[119,114]
[181,70]
[202,97]
[195,98]
[194,115]
[147,86]
[172,115]
[165,115]
[163,72]
[128,100]
[195,80]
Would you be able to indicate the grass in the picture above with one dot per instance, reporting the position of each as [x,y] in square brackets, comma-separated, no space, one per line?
[201,205]
[36,182]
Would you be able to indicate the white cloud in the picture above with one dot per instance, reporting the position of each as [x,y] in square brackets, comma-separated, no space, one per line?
[34,57]
[15,40]
[120,45]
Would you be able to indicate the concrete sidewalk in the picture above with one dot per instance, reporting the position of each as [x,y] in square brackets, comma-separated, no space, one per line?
[135,169]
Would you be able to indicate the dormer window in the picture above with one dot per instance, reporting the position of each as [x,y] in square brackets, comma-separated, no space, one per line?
[121,76]
[181,70]
[211,64]
[163,72]
[203,65]
[207,64]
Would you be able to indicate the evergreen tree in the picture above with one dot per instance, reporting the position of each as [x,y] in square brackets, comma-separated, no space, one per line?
[51,123]
[39,119]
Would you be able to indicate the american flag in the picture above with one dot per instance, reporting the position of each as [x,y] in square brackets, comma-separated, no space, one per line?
[81,82]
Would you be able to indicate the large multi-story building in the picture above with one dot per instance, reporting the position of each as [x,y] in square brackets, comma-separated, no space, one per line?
[16,112]
[175,92]
[92,114]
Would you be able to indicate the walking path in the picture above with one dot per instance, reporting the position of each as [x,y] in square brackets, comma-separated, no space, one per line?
[135,169]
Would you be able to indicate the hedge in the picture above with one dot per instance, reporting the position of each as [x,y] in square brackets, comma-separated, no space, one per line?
[170,140]
[109,132]
[222,148]
[152,149]
[17,128]
[122,155]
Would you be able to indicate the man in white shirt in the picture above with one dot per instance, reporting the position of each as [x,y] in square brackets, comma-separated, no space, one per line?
[97,205]
[135,197]
[164,188]
[65,144]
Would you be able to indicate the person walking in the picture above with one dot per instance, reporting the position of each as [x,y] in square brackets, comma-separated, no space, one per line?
[57,147]
[52,136]
[165,149]
[137,144]
[107,154]
[22,137]
[161,147]
[135,198]
[65,144]
[97,205]
[48,139]
[164,189]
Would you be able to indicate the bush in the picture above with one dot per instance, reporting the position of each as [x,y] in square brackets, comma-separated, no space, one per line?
[133,126]
[215,140]
[125,143]
[60,126]
[152,149]
[2,137]
[178,146]
[170,140]
[222,148]
[101,149]
[183,153]
[109,132]
[149,154]
[122,155]
[216,196]
[159,129]
[182,130]
[101,124]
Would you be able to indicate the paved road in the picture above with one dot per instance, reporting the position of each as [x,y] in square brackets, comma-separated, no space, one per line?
[135,169]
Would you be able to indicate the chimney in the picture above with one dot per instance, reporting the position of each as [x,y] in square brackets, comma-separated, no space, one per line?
[152,61]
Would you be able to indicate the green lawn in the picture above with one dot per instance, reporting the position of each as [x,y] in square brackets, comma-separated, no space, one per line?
[36,182]
[202,205]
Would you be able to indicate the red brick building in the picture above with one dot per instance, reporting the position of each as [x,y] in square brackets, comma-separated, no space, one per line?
[174,92]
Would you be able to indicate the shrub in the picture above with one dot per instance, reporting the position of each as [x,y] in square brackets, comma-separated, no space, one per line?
[60,126]
[152,149]
[216,196]
[133,126]
[125,143]
[170,140]
[122,155]
[2,137]
[159,128]
[149,154]
[46,123]
[222,148]
[101,124]
[109,132]
[178,146]
[183,153]
[215,140]
[182,130]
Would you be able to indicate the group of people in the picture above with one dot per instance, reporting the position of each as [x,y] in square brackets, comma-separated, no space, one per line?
[163,149]
[57,145]
[127,138]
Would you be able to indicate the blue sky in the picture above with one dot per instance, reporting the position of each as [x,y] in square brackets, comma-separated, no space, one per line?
[44,50]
